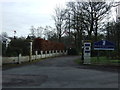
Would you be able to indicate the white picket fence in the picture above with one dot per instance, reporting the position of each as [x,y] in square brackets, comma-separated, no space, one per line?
[20,58]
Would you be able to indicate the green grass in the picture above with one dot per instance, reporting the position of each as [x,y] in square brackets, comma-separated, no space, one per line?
[103,60]
[100,61]
[115,61]
[96,60]
[78,61]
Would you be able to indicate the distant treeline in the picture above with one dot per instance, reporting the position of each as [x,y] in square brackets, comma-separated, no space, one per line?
[22,46]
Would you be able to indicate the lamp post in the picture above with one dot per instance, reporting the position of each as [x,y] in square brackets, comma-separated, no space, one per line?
[14,34]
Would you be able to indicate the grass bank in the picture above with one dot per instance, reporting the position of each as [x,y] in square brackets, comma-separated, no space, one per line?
[100,61]
[104,60]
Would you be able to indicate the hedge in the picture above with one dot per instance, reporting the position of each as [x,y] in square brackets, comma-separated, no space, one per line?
[46,45]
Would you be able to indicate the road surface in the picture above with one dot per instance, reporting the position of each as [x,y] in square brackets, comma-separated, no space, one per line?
[59,72]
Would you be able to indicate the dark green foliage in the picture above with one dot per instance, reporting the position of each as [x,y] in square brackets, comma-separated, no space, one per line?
[16,47]
[3,49]
[13,51]
[72,51]
[95,53]
[113,34]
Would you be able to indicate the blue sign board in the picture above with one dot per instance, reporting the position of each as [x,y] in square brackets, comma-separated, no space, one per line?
[104,45]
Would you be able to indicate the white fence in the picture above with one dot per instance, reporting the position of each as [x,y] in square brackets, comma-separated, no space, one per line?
[20,59]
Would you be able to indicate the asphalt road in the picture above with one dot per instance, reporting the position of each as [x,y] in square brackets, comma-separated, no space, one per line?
[59,72]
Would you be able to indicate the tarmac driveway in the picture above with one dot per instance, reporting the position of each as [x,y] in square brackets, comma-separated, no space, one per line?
[59,72]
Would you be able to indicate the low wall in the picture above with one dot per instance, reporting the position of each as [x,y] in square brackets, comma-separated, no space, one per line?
[20,59]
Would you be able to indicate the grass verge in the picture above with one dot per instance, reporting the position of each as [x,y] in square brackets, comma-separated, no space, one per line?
[78,61]
[104,60]
[100,61]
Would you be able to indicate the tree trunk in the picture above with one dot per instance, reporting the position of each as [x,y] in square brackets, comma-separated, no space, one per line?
[108,32]
[96,33]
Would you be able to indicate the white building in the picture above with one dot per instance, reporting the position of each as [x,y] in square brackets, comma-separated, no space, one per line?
[5,40]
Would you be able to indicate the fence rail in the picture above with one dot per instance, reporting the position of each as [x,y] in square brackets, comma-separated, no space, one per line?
[20,58]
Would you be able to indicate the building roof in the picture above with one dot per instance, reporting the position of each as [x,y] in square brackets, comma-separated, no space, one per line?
[3,38]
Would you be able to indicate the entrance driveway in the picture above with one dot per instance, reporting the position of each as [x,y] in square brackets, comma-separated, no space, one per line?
[59,72]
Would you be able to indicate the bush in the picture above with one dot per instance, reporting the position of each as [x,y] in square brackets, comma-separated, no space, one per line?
[72,51]
[12,51]
[4,50]
[16,46]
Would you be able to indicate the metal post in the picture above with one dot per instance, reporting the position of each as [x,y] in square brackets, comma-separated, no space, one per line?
[82,56]
[98,55]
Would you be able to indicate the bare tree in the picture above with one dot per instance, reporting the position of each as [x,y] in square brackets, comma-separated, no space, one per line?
[76,22]
[95,13]
[36,32]
[59,19]
[49,32]
[32,30]
[39,31]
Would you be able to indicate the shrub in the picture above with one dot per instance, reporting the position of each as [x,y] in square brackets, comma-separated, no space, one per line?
[17,46]
[72,51]
[13,51]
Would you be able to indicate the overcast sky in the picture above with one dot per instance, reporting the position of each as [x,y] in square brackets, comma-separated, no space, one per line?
[20,15]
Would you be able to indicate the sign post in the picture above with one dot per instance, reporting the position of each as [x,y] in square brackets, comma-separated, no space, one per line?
[87,52]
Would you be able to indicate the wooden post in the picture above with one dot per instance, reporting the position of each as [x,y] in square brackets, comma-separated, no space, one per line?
[56,53]
[30,57]
[36,53]
[45,54]
[52,52]
[41,53]
[19,59]
[49,53]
